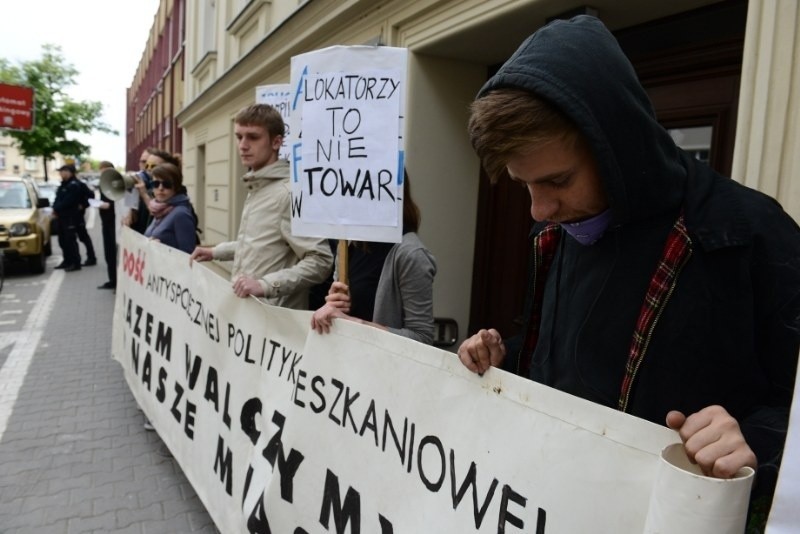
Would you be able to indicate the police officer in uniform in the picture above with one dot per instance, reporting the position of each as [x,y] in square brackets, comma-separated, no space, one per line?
[68,213]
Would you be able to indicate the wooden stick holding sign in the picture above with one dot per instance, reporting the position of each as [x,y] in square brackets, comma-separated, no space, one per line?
[342,262]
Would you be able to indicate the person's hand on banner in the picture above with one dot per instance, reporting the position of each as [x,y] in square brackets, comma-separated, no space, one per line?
[201,254]
[244,286]
[323,318]
[339,296]
[483,350]
[713,440]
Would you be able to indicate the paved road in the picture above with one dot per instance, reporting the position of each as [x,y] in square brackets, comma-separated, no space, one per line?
[74,456]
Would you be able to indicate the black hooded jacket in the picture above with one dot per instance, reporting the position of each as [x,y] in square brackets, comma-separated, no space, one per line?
[69,202]
[730,332]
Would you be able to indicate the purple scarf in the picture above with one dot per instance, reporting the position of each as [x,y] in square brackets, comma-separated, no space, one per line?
[588,231]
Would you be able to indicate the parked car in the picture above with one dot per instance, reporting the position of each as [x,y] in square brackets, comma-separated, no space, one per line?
[47,190]
[92,180]
[24,223]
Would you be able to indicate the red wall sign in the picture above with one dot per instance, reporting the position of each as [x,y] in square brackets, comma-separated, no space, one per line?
[16,107]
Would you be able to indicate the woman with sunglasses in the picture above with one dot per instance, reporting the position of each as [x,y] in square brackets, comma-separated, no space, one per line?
[173,221]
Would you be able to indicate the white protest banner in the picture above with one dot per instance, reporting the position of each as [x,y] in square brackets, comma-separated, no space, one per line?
[278,96]
[348,152]
[785,515]
[283,430]
[200,361]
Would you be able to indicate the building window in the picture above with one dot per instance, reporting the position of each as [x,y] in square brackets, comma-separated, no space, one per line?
[209,35]
[181,30]
[2,160]
[696,141]
[30,164]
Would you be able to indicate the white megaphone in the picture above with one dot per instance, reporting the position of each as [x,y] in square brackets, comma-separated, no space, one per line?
[114,185]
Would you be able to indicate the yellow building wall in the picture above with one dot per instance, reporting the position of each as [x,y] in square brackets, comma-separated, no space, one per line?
[452,44]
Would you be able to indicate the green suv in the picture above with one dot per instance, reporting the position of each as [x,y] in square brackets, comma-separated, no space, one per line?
[24,223]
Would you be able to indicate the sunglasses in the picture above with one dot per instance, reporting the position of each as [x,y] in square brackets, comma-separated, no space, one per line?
[166,184]
[149,166]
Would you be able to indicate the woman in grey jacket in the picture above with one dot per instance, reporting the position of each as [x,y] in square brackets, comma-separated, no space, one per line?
[404,296]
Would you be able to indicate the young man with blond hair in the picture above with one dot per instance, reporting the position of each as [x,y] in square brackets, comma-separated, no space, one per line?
[268,261]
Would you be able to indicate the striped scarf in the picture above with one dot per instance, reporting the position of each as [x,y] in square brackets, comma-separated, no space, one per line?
[677,251]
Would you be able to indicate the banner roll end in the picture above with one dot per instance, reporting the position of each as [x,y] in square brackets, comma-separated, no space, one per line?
[685,501]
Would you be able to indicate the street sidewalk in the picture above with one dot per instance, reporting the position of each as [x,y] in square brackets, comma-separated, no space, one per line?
[74,456]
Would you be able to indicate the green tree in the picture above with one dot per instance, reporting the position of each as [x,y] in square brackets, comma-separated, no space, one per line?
[57,116]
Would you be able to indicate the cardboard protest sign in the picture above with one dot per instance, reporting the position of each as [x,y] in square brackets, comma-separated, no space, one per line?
[280,429]
[347,150]
[278,96]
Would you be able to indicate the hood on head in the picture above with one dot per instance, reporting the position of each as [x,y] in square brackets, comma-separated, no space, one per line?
[578,66]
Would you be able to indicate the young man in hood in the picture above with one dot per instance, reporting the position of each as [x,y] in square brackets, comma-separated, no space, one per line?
[268,261]
[658,287]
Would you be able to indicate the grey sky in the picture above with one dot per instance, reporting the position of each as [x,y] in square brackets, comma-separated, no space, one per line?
[103,39]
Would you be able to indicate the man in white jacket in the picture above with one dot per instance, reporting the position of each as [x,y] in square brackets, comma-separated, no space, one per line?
[268,261]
